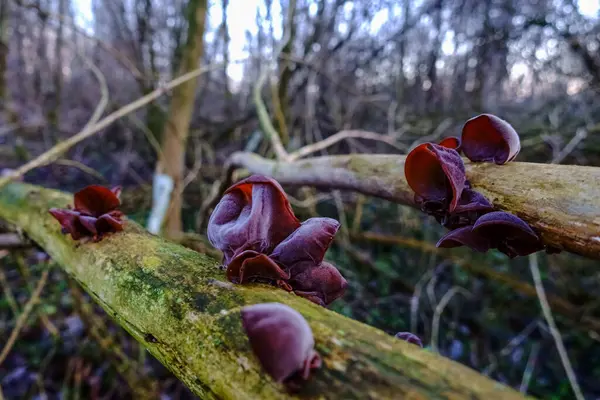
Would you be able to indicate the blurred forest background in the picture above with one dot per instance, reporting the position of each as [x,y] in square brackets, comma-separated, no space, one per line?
[408,70]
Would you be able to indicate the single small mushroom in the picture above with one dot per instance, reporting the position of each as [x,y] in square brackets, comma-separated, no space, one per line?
[282,341]
[451,142]
[436,174]
[508,233]
[487,138]
[409,337]
[94,213]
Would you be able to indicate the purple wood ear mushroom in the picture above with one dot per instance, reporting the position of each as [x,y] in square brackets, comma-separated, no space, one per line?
[464,236]
[302,255]
[409,337]
[496,230]
[451,142]
[508,233]
[321,284]
[93,215]
[487,138]
[254,214]
[282,341]
[436,174]
[262,241]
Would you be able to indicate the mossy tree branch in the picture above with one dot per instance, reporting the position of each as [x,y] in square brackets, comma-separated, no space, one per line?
[176,302]
[561,202]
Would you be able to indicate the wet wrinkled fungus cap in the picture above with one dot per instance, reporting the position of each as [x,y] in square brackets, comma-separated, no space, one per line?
[508,233]
[263,241]
[250,264]
[495,230]
[253,214]
[487,138]
[94,213]
[282,341]
[436,174]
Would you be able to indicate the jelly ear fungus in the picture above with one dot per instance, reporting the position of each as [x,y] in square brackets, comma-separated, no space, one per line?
[282,341]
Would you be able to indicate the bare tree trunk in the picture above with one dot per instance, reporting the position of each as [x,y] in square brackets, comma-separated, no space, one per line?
[54,110]
[432,93]
[285,71]
[563,210]
[4,20]
[400,81]
[172,160]
[226,39]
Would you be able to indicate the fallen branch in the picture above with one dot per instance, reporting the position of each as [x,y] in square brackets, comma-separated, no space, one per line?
[561,202]
[88,131]
[177,303]
[13,241]
[338,137]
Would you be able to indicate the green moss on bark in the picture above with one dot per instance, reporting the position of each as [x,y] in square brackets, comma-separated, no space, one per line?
[177,303]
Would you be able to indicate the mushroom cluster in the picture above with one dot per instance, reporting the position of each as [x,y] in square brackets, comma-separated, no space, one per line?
[262,241]
[436,173]
[94,213]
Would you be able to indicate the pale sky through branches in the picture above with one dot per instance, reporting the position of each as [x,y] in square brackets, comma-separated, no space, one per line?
[241,18]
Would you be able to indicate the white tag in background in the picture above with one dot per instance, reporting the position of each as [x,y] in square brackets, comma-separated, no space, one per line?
[162,186]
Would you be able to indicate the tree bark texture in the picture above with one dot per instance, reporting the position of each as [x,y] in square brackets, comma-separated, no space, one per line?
[178,304]
[560,202]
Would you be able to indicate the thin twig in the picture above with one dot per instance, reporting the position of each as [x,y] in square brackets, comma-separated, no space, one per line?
[309,201]
[55,152]
[35,297]
[82,167]
[148,133]
[435,135]
[119,56]
[13,241]
[345,134]
[569,147]
[562,352]
[529,367]
[10,298]
[101,106]
[514,342]
[261,108]
[435,325]
[265,120]
[415,300]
